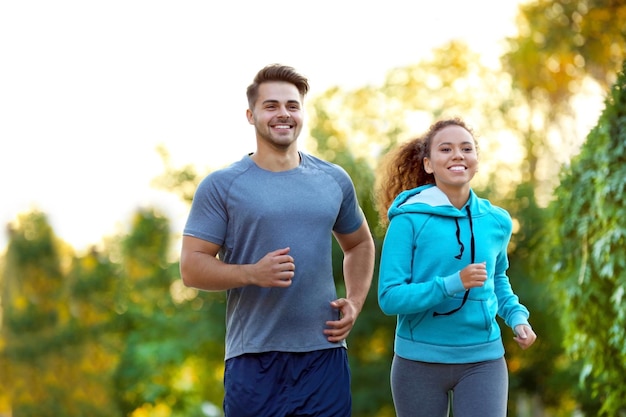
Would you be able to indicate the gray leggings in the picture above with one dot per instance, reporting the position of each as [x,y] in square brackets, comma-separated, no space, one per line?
[433,389]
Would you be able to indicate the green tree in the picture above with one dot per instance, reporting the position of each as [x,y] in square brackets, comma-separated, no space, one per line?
[170,346]
[542,376]
[45,376]
[562,47]
[586,245]
[111,332]
[32,289]
[94,285]
[562,42]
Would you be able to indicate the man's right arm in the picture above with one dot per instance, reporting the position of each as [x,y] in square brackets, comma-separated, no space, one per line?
[201,269]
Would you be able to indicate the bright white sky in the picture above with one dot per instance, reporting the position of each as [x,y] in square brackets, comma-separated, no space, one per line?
[89,89]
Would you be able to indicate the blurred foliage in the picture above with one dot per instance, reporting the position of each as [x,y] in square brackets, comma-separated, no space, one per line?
[543,373]
[583,255]
[111,332]
[182,181]
[114,332]
[560,43]
[452,81]
[53,363]
[563,48]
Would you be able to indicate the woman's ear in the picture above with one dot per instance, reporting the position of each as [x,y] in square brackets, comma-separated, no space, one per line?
[427,167]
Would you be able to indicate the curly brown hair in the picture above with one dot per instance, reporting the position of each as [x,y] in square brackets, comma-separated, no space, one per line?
[403,168]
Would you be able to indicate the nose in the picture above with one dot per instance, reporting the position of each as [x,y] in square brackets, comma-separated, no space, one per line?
[284,113]
[458,154]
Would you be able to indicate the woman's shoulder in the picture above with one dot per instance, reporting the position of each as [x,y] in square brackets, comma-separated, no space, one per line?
[484,206]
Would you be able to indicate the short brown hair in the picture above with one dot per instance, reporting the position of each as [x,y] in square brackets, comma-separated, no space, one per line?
[276,72]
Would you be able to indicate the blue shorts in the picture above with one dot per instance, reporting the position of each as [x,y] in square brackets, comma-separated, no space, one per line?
[288,384]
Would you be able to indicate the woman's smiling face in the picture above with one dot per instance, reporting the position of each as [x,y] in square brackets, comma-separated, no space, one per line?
[453,159]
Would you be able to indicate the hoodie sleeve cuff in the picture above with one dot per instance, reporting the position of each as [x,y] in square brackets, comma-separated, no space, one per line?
[453,284]
[518,319]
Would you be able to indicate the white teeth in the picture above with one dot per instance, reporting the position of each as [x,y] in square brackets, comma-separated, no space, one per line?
[457,168]
[281,127]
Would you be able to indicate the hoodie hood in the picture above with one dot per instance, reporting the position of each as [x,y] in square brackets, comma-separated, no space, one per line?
[428,199]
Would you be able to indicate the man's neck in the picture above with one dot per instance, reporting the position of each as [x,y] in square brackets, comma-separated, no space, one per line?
[276,161]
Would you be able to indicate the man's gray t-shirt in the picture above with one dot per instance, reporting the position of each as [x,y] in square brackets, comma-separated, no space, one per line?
[249,212]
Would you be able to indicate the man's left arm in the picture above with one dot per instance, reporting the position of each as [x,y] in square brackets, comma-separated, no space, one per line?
[358,270]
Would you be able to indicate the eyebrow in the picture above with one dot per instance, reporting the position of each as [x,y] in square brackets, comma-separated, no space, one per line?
[271,100]
[450,143]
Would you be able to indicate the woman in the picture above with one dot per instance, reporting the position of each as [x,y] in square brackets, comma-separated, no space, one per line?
[443,273]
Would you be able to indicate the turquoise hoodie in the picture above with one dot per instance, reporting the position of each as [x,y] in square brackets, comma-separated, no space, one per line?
[427,244]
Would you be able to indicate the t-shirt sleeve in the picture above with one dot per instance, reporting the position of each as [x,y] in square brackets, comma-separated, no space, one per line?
[350,215]
[208,218]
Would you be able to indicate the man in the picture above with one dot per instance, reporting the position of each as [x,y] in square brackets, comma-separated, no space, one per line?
[261,229]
